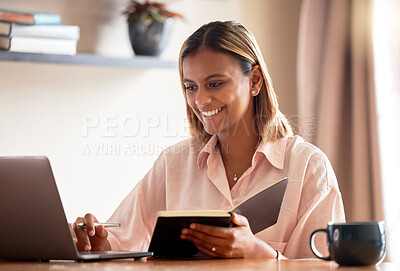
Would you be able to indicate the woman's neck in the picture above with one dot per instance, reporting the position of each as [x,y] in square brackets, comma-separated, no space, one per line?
[238,147]
[237,152]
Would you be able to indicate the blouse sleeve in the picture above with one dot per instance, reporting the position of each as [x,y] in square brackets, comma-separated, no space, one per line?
[137,212]
[320,203]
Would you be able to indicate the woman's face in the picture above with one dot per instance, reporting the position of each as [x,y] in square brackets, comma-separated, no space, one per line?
[218,92]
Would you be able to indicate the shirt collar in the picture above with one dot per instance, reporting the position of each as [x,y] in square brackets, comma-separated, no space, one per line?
[273,151]
[206,151]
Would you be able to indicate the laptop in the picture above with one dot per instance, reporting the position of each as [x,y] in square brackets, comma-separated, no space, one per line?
[33,225]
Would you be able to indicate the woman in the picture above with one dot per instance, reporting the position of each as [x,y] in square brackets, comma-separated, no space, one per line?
[240,144]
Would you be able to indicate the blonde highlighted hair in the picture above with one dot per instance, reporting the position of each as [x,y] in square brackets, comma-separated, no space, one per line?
[233,38]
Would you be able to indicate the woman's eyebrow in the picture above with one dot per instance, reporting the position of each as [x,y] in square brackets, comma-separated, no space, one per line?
[207,78]
[187,81]
[214,75]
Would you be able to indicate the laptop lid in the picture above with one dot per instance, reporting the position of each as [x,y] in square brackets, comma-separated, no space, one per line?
[33,223]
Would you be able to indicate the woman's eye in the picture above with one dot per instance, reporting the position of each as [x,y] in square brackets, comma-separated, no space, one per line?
[190,88]
[214,85]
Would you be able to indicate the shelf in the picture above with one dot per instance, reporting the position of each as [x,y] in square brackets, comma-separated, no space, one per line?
[140,62]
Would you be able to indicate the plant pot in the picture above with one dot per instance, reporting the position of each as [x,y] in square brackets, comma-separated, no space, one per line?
[149,37]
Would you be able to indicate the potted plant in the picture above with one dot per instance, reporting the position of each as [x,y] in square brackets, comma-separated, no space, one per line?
[150,25]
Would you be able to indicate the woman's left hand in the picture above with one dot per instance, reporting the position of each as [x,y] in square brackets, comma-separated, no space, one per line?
[232,242]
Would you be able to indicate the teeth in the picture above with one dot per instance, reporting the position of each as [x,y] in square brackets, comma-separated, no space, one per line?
[211,113]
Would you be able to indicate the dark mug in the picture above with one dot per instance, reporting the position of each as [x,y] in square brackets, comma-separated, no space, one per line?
[353,243]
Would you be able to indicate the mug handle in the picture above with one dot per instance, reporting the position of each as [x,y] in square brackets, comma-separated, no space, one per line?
[314,249]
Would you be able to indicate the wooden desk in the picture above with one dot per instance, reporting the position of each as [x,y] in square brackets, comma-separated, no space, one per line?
[188,265]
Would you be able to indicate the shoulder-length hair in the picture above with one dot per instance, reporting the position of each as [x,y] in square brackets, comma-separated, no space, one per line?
[233,38]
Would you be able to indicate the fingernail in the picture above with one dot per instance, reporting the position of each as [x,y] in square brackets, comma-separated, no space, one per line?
[192,226]
[87,248]
[91,232]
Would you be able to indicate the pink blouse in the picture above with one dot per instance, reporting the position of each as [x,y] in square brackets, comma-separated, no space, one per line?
[189,176]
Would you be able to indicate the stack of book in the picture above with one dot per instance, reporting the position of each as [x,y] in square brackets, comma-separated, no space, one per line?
[36,33]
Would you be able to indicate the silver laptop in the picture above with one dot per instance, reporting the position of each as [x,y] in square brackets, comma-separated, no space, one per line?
[33,225]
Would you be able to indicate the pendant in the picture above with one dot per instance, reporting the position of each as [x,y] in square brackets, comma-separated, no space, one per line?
[235,178]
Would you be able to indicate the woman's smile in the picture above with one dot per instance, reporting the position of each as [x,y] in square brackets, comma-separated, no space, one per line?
[209,114]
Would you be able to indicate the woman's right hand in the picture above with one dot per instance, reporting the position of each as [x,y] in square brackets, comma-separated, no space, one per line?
[90,238]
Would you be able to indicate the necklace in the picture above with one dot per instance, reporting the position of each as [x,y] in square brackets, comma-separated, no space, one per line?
[235,175]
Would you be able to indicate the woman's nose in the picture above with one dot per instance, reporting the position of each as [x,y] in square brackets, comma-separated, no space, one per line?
[202,98]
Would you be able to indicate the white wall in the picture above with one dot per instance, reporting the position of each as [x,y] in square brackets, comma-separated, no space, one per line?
[46,109]
[50,110]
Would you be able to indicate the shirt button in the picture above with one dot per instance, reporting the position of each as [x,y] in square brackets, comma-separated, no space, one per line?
[228,203]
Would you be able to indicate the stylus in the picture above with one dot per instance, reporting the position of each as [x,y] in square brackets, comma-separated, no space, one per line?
[107,225]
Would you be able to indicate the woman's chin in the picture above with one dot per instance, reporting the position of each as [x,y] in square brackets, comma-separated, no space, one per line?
[213,128]
[213,132]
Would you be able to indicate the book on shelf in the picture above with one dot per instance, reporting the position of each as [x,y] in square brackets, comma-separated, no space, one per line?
[39,45]
[29,18]
[8,29]
[261,210]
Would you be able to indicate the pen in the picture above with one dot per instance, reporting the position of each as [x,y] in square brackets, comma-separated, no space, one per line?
[107,225]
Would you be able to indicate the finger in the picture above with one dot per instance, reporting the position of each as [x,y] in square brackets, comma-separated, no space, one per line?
[212,250]
[240,220]
[208,251]
[98,240]
[198,242]
[77,221]
[210,230]
[202,239]
[83,241]
[101,232]
[89,221]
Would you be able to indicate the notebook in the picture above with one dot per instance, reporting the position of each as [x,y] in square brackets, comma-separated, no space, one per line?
[33,224]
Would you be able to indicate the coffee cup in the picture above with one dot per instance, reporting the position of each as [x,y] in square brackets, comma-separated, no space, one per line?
[353,243]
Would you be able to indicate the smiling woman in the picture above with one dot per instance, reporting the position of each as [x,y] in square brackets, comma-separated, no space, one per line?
[241,143]
[238,48]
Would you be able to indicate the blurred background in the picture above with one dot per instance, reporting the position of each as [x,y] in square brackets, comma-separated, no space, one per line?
[335,66]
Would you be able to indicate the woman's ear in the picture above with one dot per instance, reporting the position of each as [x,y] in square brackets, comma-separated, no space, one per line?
[256,80]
